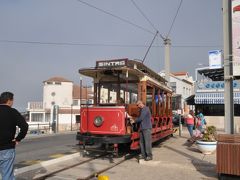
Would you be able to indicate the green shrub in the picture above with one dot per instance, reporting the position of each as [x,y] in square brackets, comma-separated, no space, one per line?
[209,134]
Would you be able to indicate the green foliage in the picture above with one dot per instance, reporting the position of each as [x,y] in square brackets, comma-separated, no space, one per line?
[210,134]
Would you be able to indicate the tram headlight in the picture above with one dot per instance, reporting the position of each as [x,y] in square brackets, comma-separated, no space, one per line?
[98,121]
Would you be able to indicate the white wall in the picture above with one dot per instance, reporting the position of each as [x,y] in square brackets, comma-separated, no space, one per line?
[62,97]
[66,118]
[183,88]
[218,122]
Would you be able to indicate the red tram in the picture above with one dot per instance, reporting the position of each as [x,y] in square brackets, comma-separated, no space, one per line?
[105,120]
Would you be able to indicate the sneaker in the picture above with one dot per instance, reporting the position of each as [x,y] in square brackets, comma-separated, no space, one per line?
[148,158]
[141,157]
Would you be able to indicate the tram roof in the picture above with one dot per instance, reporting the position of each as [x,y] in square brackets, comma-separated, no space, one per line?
[132,66]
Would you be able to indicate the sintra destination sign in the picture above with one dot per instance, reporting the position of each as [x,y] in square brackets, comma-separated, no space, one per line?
[111,63]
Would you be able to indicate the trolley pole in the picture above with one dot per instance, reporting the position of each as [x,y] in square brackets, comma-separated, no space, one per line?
[228,68]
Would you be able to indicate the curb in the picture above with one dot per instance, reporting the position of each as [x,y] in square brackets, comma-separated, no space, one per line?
[45,163]
[34,136]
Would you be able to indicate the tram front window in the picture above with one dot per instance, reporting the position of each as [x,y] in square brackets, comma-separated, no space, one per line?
[107,95]
[110,93]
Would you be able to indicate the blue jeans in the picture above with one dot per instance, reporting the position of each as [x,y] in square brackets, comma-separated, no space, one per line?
[190,129]
[6,164]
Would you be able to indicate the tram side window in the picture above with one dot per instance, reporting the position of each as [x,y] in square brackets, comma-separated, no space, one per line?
[134,98]
[149,98]
[157,100]
[127,97]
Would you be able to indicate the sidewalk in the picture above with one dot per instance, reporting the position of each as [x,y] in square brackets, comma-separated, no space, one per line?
[33,136]
[173,158]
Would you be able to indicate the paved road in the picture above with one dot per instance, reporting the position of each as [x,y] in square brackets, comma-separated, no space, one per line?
[34,149]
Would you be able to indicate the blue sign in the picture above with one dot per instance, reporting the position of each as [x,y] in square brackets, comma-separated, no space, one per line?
[215,59]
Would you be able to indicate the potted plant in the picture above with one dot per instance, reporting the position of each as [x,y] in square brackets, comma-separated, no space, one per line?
[208,143]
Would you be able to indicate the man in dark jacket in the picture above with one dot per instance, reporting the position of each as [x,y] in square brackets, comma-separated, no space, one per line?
[9,119]
[145,131]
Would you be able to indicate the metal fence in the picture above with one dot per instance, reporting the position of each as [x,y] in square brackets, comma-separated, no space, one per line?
[39,128]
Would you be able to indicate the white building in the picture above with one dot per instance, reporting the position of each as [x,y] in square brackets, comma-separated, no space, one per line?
[183,86]
[60,109]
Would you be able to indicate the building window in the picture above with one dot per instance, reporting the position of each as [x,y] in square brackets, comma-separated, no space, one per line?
[49,82]
[75,102]
[173,86]
[47,117]
[216,109]
[37,117]
[58,83]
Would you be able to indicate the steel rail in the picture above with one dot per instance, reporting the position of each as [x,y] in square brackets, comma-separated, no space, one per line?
[68,167]
[97,173]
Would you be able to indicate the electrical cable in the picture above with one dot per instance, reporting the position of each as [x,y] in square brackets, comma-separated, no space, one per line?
[174,19]
[103,45]
[144,15]
[66,43]
[135,4]
[117,17]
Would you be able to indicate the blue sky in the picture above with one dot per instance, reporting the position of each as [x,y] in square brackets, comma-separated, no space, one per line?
[88,35]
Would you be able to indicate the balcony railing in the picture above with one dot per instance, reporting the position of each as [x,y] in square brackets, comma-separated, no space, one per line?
[35,106]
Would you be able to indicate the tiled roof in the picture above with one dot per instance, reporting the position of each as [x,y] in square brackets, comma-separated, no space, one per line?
[57,79]
[85,90]
[76,92]
[180,73]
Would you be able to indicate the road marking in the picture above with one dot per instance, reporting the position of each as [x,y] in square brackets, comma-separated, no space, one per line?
[30,162]
[44,164]
[56,155]
[65,178]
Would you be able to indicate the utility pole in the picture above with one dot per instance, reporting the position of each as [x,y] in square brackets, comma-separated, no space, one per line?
[167,43]
[228,68]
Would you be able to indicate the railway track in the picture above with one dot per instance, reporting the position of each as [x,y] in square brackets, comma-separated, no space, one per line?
[88,168]
[95,174]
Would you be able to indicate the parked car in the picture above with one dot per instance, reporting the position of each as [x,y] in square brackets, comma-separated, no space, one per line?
[175,118]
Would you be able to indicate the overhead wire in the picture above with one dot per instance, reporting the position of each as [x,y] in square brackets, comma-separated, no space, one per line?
[157,32]
[143,14]
[180,4]
[67,43]
[116,45]
[99,44]
[115,16]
